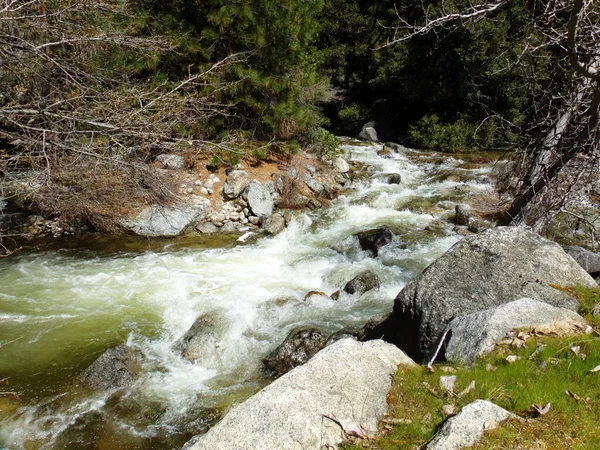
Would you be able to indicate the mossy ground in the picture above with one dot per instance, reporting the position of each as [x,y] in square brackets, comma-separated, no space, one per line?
[549,369]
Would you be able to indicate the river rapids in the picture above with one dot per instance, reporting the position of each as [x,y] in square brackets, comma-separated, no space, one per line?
[61,308]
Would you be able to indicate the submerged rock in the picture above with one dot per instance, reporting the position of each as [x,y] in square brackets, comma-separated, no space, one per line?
[467,427]
[201,341]
[373,240]
[115,368]
[476,334]
[363,282]
[346,383]
[481,271]
[83,433]
[297,349]
[394,178]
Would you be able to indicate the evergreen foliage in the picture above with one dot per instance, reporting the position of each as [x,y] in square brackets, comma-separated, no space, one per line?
[274,89]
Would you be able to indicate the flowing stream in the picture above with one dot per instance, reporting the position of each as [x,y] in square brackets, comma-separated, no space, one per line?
[61,308]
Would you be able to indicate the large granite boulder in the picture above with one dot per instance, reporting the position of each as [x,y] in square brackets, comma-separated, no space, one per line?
[235,183]
[341,165]
[168,221]
[368,132]
[474,335]
[373,240]
[201,341]
[345,384]
[298,347]
[481,271]
[115,368]
[259,199]
[467,427]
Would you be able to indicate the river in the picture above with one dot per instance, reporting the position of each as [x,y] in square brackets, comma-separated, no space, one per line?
[63,304]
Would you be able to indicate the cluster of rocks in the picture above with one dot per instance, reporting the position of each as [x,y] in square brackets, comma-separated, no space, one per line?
[38,226]
[481,272]
[246,203]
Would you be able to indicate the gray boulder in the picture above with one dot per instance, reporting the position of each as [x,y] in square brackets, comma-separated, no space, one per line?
[395,147]
[345,383]
[341,165]
[590,261]
[275,224]
[467,427]
[297,349]
[259,200]
[235,183]
[481,271]
[373,240]
[368,132]
[207,228]
[168,221]
[201,341]
[169,161]
[363,282]
[115,368]
[313,184]
[476,334]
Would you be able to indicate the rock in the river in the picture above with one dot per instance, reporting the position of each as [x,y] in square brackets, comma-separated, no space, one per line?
[201,341]
[590,261]
[346,382]
[259,200]
[235,183]
[275,224]
[83,433]
[373,240]
[396,147]
[467,427]
[155,221]
[476,334]
[368,132]
[341,165]
[169,161]
[394,178]
[298,347]
[463,217]
[481,271]
[363,282]
[115,368]
[207,228]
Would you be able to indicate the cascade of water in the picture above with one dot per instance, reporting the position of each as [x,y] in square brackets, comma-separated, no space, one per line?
[57,309]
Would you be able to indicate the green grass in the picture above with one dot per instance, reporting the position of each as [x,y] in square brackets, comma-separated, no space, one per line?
[546,369]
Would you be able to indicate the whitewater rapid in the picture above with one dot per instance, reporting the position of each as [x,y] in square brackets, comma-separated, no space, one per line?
[60,309]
